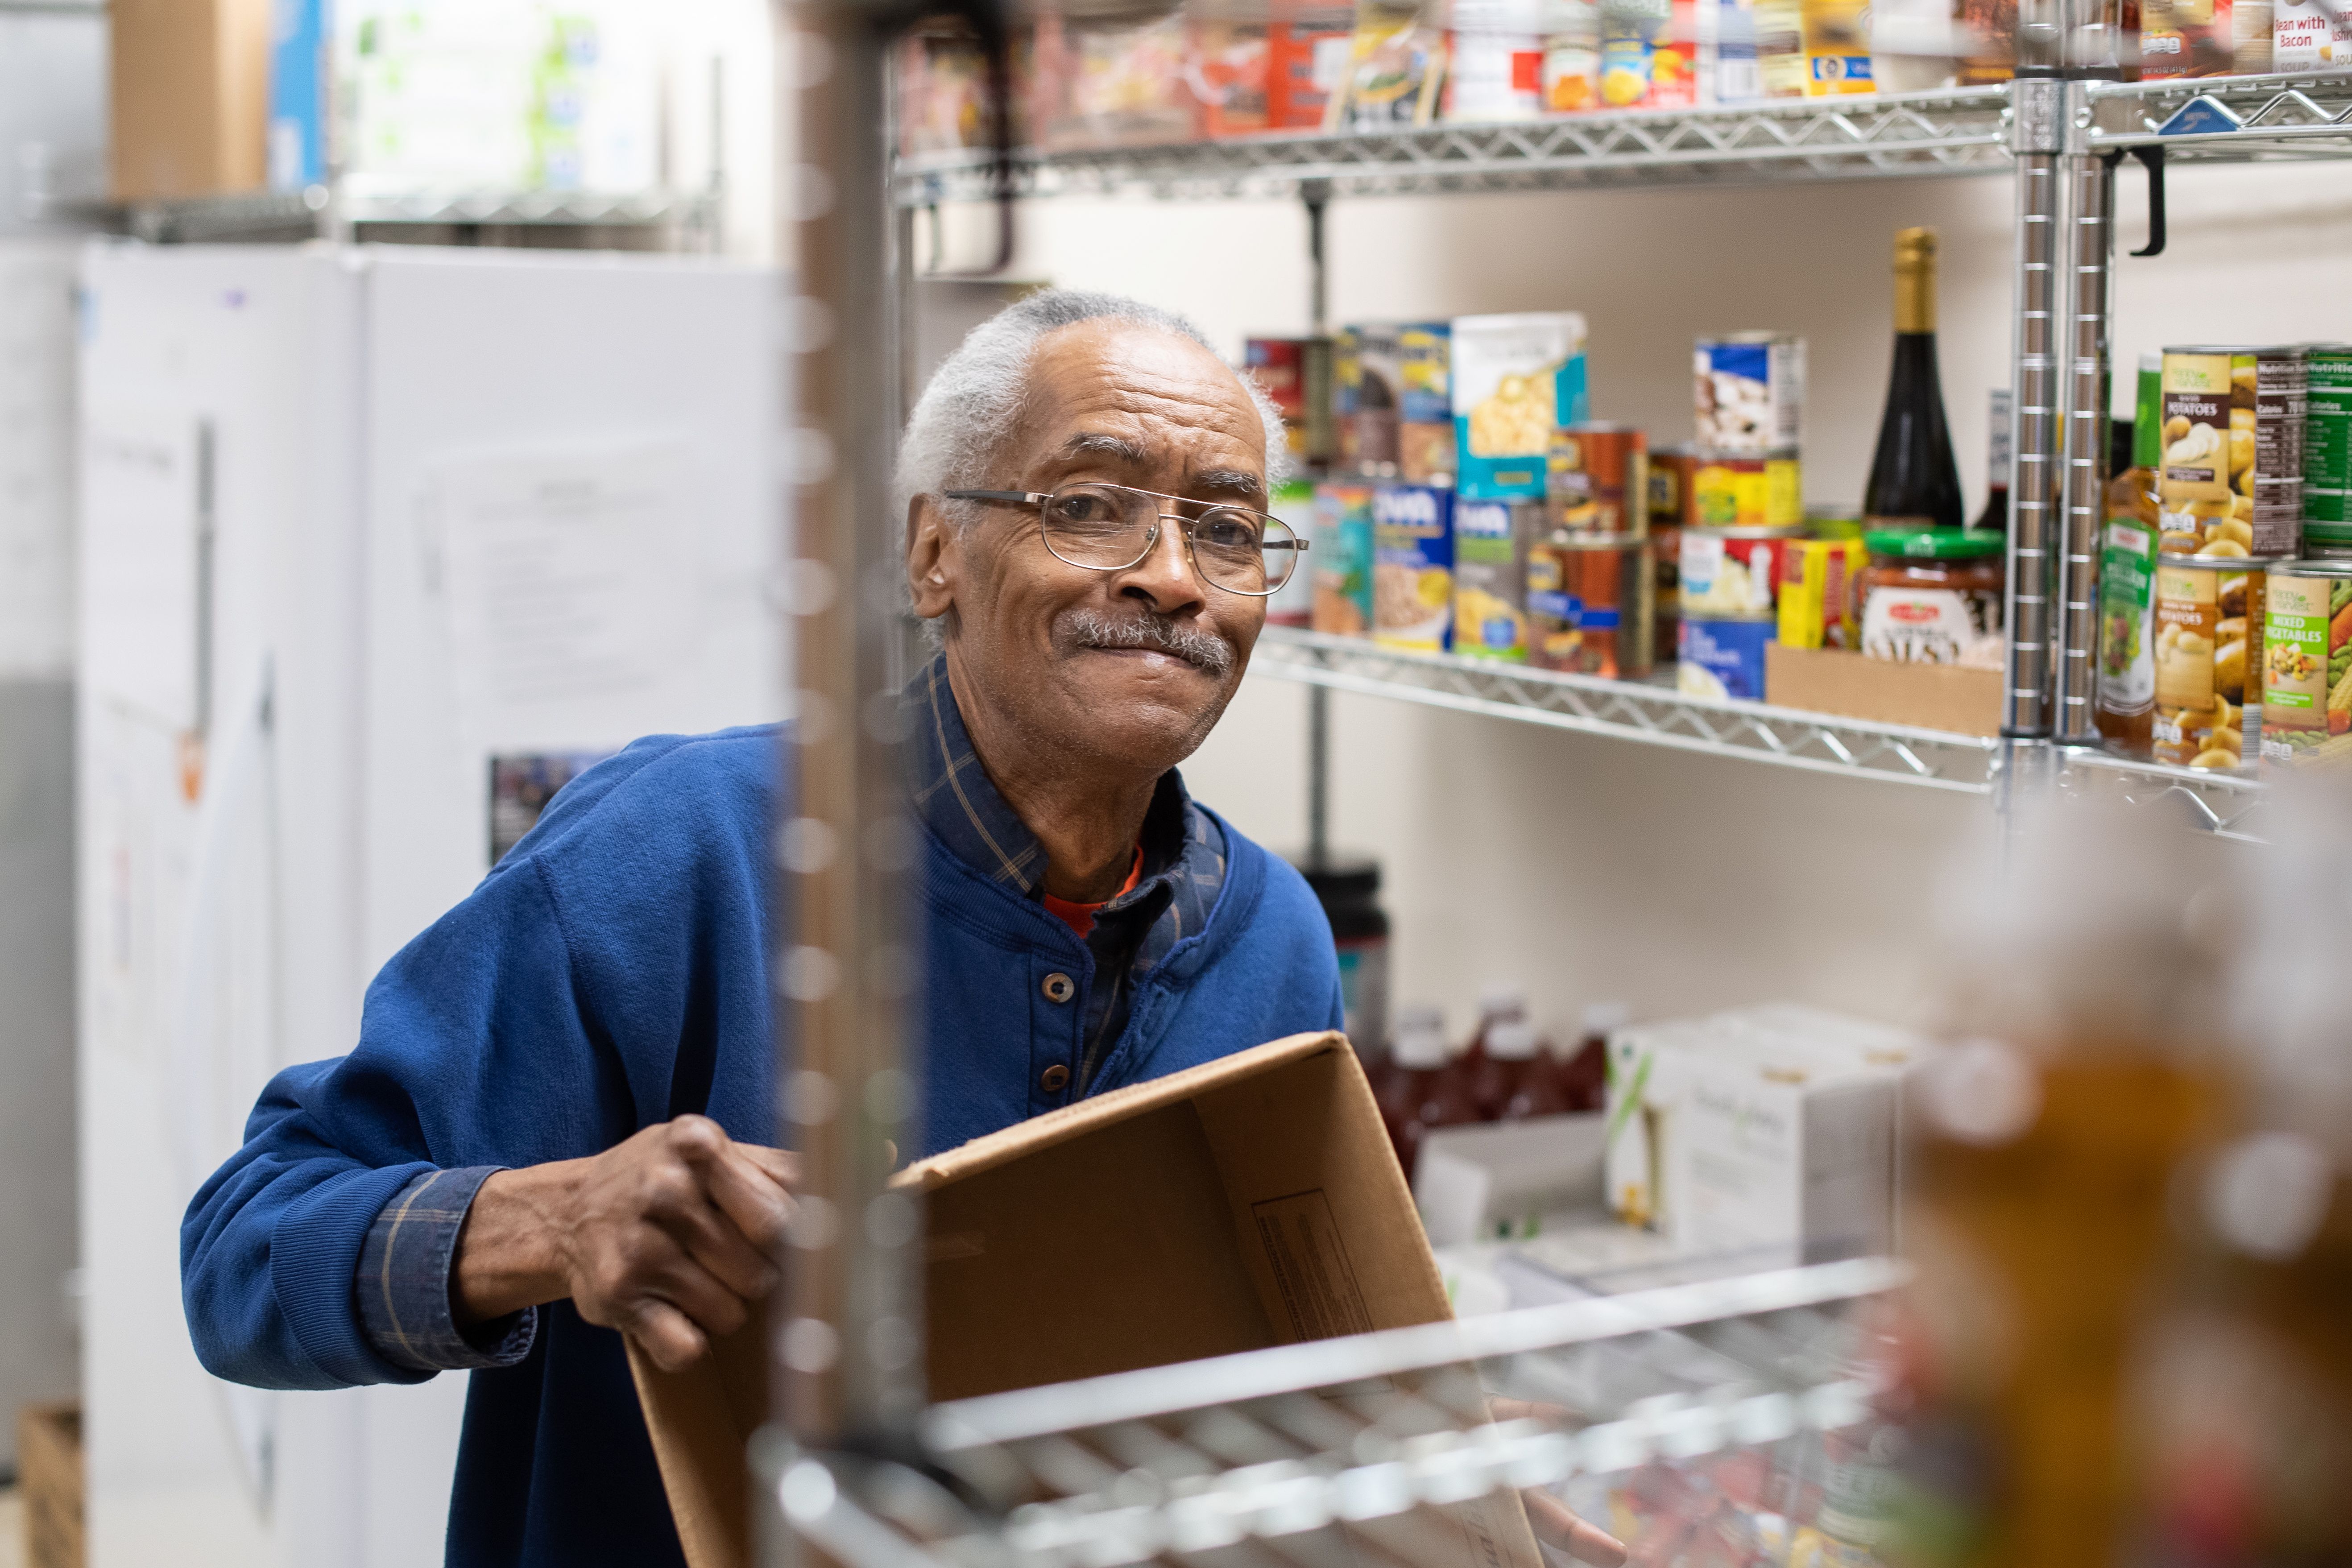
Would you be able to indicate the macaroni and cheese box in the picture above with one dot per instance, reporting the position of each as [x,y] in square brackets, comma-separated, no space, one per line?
[1412,567]
[1514,381]
[1490,562]
[1340,549]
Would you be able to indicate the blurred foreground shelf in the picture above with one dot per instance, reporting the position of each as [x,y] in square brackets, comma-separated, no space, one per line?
[1654,712]
[321,210]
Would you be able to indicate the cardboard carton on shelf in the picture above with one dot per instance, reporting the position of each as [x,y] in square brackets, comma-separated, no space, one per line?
[189,98]
[1494,1181]
[1949,697]
[50,1474]
[1247,1202]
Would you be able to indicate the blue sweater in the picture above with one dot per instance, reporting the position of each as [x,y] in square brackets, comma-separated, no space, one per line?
[607,975]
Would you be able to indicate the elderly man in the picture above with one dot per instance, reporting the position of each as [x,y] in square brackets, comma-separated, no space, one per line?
[552,1130]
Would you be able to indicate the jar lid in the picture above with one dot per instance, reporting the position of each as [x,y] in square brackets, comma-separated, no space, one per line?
[1337,880]
[1932,543]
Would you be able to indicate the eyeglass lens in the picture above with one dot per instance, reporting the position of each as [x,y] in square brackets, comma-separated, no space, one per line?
[1110,527]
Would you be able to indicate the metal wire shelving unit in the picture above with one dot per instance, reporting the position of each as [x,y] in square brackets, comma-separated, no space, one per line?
[1376,1448]
[1312,1456]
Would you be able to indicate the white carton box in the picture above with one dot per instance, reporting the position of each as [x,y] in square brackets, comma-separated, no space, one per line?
[1499,1182]
[1763,1126]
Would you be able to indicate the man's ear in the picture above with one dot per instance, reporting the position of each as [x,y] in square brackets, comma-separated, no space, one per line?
[932,558]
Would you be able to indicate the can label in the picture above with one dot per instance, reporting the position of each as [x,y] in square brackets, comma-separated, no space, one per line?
[2231,483]
[1747,492]
[2306,661]
[2200,662]
[1588,605]
[1412,567]
[2328,437]
[1342,559]
[1725,574]
[1750,393]
[1598,480]
[2127,617]
[1489,580]
[1719,658]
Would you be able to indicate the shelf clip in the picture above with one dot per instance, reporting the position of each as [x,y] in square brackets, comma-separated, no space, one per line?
[2152,158]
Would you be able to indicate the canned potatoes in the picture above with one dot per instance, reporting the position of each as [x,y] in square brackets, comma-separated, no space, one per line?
[2231,480]
[2203,610]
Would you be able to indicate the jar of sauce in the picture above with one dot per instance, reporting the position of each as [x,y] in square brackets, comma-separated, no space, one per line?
[1932,596]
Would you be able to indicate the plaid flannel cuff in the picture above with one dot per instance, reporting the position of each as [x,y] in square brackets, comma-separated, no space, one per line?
[403,1282]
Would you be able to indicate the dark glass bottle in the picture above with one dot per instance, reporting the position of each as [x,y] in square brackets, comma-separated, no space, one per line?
[1584,1076]
[1527,1083]
[1425,1091]
[1995,515]
[1913,478]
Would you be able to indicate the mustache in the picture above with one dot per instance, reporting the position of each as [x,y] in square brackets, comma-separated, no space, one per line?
[1204,651]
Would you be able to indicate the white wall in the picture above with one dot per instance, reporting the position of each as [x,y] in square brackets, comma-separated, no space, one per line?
[1592,868]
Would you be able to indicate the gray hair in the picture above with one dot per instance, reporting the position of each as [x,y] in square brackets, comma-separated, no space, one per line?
[975,396]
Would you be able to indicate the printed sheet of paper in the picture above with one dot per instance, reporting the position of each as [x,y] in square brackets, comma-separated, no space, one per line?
[570,577]
[139,561]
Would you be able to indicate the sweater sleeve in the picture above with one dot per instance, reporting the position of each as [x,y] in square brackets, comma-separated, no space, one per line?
[462,1035]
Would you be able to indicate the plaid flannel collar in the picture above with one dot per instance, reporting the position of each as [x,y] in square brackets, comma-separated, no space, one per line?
[952,794]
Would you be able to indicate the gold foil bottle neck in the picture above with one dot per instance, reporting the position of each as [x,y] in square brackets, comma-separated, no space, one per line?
[1915,280]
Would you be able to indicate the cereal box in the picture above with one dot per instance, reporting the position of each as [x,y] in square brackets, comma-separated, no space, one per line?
[1490,539]
[1413,566]
[1515,379]
[1340,555]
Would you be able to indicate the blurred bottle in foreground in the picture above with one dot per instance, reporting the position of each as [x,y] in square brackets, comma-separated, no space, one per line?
[2087,999]
[2244,1404]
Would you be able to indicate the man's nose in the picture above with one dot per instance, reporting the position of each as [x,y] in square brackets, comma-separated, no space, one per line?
[1164,578]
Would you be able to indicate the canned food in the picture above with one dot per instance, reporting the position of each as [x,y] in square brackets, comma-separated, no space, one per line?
[1729,489]
[1721,658]
[2202,617]
[2232,481]
[1341,557]
[1672,468]
[1412,567]
[1490,551]
[1833,522]
[1598,479]
[1733,571]
[1816,592]
[2306,657]
[1750,391]
[2327,435]
[2326,540]
[1666,586]
[1589,604]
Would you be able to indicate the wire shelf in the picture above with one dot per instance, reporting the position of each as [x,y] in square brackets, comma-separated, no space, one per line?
[2225,119]
[278,214]
[1653,712]
[1863,137]
[1307,1454]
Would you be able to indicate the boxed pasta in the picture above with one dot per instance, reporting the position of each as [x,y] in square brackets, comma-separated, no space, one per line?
[1341,553]
[1490,577]
[1514,380]
[1396,63]
[1412,567]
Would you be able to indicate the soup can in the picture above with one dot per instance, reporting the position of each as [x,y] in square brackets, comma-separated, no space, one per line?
[1597,479]
[1738,489]
[1672,469]
[2327,435]
[2306,657]
[2230,480]
[1666,588]
[2326,540]
[2206,676]
[1730,571]
[1750,392]
[1588,603]
[1720,656]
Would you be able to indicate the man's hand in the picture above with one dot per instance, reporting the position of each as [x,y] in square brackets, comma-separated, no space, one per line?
[668,1238]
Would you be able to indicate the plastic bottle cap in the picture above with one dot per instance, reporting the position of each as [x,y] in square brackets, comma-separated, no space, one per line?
[1502,1002]
[1512,1040]
[1421,1049]
[1606,1017]
[1420,1015]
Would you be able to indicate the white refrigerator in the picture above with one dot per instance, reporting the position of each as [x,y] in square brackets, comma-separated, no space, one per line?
[378,545]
